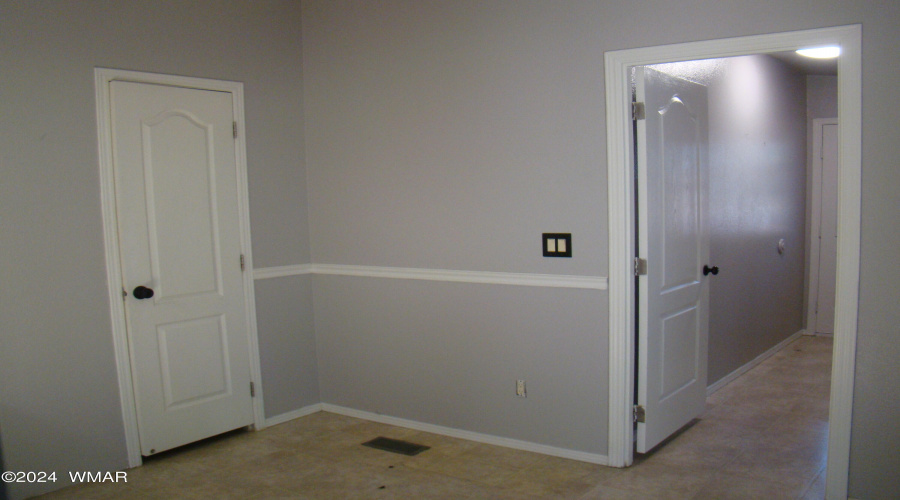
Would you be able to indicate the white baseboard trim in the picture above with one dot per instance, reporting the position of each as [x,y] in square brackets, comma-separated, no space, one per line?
[291,415]
[468,435]
[486,277]
[752,364]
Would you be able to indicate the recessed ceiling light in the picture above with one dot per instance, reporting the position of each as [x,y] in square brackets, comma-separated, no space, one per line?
[821,52]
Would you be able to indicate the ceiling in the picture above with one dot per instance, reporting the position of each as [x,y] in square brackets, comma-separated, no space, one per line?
[808,65]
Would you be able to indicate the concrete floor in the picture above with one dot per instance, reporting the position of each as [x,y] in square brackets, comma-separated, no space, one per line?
[762,436]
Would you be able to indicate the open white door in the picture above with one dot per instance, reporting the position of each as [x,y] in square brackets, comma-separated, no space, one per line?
[672,144]
[177,209]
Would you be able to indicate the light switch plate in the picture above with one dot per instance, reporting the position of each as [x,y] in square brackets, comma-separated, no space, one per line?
[557,244]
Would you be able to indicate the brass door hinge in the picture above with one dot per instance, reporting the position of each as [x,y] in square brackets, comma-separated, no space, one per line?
[640,266]
[637,111]
[639,414]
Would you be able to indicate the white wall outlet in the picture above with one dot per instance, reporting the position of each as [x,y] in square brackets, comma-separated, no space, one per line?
[520,389]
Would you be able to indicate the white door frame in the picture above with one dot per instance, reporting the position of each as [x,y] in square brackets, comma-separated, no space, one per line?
[102,78]
[622,217]
[815,221]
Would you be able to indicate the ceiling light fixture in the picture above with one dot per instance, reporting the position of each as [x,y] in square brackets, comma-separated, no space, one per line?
[821,52]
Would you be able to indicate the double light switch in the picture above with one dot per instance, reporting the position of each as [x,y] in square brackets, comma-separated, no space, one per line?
[557,244]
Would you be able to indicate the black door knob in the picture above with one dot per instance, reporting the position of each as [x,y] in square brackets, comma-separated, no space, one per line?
[142,292]
[714,270]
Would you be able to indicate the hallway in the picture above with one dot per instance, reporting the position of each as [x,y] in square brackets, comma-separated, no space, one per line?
[762,436]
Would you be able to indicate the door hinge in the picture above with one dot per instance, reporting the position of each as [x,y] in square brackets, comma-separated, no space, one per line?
[234,129]
[640,266]
[242,262]
[252,390]
[637,111]
[124,294]
[639,414]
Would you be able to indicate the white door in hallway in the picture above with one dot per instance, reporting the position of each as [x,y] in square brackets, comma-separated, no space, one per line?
[827,272]
[673,295]
[177,211]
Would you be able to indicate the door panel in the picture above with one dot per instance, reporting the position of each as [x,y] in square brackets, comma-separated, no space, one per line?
[180,165]
[673,297]
[178,216]
[194,361]
[676,129]
[679,348]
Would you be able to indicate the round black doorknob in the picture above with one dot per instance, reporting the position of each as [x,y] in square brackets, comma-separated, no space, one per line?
[714,270]
[142,292]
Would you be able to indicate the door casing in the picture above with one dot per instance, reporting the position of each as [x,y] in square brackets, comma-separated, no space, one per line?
[102,78]
[621,189]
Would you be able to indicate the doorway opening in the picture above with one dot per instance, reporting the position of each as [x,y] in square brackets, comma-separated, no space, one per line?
[622,219]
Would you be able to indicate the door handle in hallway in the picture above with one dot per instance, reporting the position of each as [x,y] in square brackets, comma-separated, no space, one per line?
[714,270]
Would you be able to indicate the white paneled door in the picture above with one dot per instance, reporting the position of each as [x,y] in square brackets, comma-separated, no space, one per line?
[673,295]
[177,208]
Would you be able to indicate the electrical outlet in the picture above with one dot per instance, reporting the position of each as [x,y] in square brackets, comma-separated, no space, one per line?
[520,389]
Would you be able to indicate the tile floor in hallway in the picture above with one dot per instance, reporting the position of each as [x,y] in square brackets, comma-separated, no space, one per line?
[762,436]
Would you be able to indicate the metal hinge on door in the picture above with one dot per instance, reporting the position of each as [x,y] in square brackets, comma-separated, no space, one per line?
[637,111]
[242,262]
[234,129]
[252,390]
[640,266]
[639,414]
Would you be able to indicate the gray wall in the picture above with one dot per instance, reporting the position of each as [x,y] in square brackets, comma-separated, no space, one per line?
[450,354]
[59,401]
[451,138]
[757,197]
[757,184]
[821,97]
[287,344]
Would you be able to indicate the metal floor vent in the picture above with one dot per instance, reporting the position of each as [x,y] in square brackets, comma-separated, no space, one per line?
[396,446]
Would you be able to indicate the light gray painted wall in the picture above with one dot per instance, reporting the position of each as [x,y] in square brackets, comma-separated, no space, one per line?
[448,134]
[757,156]
[287,343]
[450,354]
[451,136]
[821,97]
[59,402]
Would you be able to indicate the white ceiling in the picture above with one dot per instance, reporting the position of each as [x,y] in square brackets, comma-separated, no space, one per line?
[808,65]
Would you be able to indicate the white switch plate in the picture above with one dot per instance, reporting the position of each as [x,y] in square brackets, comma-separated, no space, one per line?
[520,389]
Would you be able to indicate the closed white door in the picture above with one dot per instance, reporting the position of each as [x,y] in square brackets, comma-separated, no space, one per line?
[178,217]
[673,295]
[827,272]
